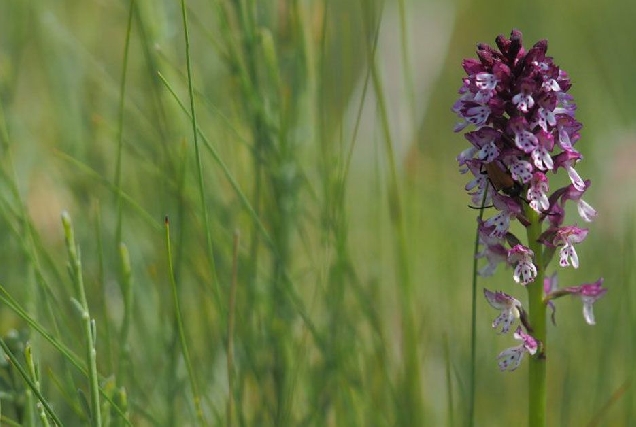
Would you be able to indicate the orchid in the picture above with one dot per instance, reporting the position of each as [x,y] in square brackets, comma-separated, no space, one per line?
[519,120]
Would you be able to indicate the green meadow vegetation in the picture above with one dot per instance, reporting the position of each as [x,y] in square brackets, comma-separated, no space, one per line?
[248,213]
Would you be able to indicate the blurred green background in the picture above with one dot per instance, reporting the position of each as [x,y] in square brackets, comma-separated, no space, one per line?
[326,142]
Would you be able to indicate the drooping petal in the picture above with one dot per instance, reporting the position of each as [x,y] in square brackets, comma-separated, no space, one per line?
[568,255]
[510,358]
[588,311]
[586,212]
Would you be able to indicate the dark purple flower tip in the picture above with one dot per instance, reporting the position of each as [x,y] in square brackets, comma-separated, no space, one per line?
[537,53]
[511,48]
[472,66]
[487,54]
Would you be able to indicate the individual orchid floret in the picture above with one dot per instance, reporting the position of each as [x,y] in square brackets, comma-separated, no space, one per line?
[492,249]
[586,212]
[509,307]
[541,154]
[545,116]
[567,237]
[520,170]
[523,100]
[525,140]
[566,160]
[473,113]
[495,254]
[478,185]
[537,193]
[486,83]
[589,293]
[525,270]
[567,130]
[485,140]
[501,222]
[510,359]
[484,146]
[509,208]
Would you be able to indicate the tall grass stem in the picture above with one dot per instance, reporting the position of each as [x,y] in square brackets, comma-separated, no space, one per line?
[29,381]
[197,153]
[120,125]
[75,269]
[181,329]
[230,330]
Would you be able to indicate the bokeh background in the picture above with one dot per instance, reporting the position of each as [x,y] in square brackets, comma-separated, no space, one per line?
[325,143]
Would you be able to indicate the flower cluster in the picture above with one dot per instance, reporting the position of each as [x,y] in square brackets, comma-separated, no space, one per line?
[524,130]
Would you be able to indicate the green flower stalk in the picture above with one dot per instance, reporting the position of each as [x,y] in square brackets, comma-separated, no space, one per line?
[525,128]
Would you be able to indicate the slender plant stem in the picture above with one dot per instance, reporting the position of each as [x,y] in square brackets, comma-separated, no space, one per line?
[197,153]
[123,370]
[253,211]
[35,376]
[473,322]
[75,267]
[120,125]
[230,331]
[182,337]
[74,359]
[537,317]
[30,382]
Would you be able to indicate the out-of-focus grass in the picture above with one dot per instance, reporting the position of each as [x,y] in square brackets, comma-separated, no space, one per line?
[300,106]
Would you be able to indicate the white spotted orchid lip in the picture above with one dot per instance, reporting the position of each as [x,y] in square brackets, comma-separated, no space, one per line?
[510,359]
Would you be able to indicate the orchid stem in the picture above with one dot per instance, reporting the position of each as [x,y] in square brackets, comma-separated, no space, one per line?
[537,318]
